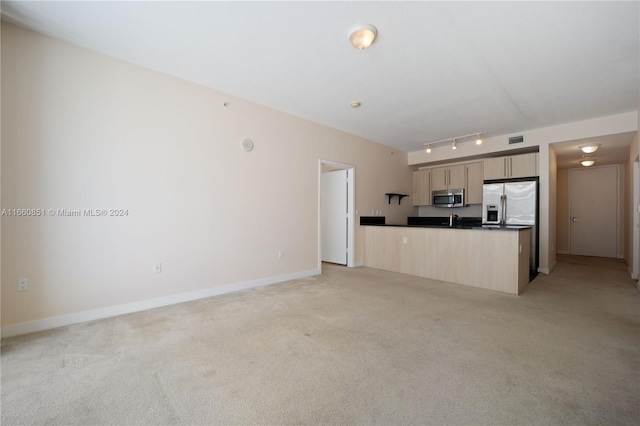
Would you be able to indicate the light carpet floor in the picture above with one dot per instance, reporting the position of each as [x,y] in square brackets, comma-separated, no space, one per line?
[350,346]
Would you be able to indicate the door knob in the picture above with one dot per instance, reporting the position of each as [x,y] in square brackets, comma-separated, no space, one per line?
[574,219]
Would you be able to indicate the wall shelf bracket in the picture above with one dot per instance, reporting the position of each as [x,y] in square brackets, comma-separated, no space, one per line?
[392,194]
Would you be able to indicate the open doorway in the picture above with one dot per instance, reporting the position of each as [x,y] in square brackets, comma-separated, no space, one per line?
[336,207]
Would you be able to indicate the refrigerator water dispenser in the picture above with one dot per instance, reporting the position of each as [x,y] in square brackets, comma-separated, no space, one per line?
[492,213]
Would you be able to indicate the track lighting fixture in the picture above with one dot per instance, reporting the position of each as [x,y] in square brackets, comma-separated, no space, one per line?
[454,141]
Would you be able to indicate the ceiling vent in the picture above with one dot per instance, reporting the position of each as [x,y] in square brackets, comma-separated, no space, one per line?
[516,139]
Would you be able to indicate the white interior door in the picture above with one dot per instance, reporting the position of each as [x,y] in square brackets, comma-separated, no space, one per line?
[333,216]
[593,211]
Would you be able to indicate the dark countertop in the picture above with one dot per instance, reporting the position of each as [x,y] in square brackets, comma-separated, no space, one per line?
[476,227]
[440,222]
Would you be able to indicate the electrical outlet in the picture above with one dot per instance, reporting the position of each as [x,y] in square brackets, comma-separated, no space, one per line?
[157,268]
[280,254]
[23,284]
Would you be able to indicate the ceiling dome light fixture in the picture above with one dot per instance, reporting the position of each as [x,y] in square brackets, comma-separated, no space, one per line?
[478,140]
[356,104]
[589,149]
[362,36]
[587,163]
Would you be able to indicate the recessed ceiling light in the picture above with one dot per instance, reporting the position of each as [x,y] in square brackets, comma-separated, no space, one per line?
[355,104]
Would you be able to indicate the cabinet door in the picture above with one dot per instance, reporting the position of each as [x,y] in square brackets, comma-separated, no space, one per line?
[421,188]
[439,178]
[456,177]
[525,165]
[495,168]
[474,183]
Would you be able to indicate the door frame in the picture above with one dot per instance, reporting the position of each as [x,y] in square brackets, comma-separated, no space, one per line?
[351,178]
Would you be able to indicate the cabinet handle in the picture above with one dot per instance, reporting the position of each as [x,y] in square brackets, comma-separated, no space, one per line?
[510,166]
[504,167]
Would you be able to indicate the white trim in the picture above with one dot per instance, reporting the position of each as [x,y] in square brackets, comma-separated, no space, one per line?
[549,270]
[127,308]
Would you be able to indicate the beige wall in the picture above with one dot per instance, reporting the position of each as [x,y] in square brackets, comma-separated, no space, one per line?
[632,199]
[1,237]
[85,131]
[562,212]
[552,207]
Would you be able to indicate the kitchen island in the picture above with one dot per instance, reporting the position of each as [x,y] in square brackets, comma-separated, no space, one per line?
[494,258]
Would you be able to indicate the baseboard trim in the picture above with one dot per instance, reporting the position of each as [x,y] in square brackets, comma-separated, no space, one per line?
[548,270]
[143,305]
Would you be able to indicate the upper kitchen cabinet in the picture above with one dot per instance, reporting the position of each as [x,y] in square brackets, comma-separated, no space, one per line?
[452,177]
[474,183]
[421,188]
[513,166]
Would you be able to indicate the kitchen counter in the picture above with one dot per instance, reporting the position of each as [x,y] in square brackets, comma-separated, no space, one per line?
[463,254]
[476,227]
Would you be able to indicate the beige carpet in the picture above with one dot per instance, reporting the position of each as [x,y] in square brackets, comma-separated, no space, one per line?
[352,346]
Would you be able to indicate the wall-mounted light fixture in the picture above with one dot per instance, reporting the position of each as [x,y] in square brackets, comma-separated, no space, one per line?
[454,141]
[589,149]
[362,36]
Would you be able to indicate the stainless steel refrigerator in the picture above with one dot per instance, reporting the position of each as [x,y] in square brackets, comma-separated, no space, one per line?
[513,204]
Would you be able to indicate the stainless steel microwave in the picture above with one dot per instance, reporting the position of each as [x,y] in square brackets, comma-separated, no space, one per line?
[448,198]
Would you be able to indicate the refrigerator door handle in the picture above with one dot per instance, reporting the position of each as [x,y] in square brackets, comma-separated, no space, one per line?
[503,202]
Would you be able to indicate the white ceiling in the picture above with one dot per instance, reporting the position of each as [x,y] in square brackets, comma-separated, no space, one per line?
[437,69]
